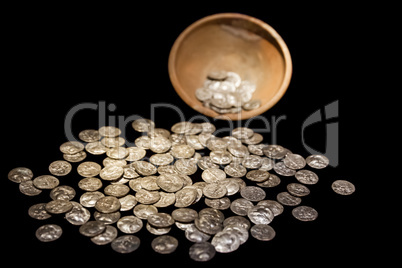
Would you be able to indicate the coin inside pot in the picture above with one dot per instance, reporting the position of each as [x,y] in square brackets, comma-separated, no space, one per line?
[236,43]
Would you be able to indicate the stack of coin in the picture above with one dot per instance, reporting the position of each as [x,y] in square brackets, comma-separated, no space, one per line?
[128,190]
[225,92]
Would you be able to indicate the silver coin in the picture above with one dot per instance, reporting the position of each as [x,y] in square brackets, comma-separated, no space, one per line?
[74,158]
[71,147]
[305,213]
[260,214]
[169,182]
[112,142]
[272,181]
[127,202]
[232,186]
[186,197]
[203,94]
[297,189]
[185,215]
[39,212]
[89,199]
[235,170]
[194,235]
[60,168]
[306,176]
[186,166]
[157,230]
[287,199]
[45,182]
[90,184]
[107,204]
[251,105]
[267,164]
[317,161]
[111,173]
[143,125]
[109,131]
[143,211]
[211,175]
[143,142]
[237,221]
[240,232]
[161,159]
[218,203]
[160,220]
[95,148]
[257,175]
[343,187]
[28,188]
[252,161]
[242,133]
[275,151]
[202,252]
[225,242]
[62,192]
[129,224]
[164,244]
[238,150]
[126,244]
[20,174]
[283,170]
[107,218]
[117,190]
[220,157]
[252,193]
[58,206]
[89,135]
[144,168]
[214,190]
[262,232]
[294,161]
[209,224]
[89,169]
[78,215]
[48,232]
[273,205]
[241,206]
[106,237]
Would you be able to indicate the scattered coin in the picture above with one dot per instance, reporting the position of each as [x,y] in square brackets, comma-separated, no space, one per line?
[317,161]
[253,193]
[297,189]
[343,187]
[78,215]
[202,251]
[58,206]
[262,232]
[107,204]
[71,147]
[125,244]
[48,232]
[28,188]
[305,213]
[20,174]
[287,199]
[45,182]
[306,176]
[39,212]
[108,236]
[129,224]
[164,244]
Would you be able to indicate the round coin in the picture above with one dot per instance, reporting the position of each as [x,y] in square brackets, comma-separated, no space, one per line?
[45,182]
[58,206]
[306,176]
[252,193]
[89,169]
[262,232]
[48,232]
[343,187]
[202,252]
[294,161]
[78,215]
[107,204]
[287,199]
[71,147]
[39,212]
[129,224]
[317,161]
[92,228]
[164,244]
[20,174]
[125,244]
[28,188]
[160,220]
[106,237]
[260,214]
[305,213]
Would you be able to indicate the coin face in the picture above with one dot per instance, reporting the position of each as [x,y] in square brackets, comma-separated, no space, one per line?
[89,135]
[214,190]
[160,220]
[297,189]
[58,206]
[257,175]
[125,244]
[48,232]
[92,228]
[89,169]
[225,242]
[90,184]
[46,182]
[39,212]
[106,237]
[241,206]
[28,188]
[62,192]
[78,215]
[306,176]
[211,175]
[71,147]
[294,161]
[170,182]
[74,158]
[20,174]
[305,213]
[283,170]
[107,204]
[287,199]
[184,214]
[317,161]
[109,131]
[273,205]
[129,224]
[143,125]
[262,232]
[164,244]
[343,187]
[253,193]
[260,214]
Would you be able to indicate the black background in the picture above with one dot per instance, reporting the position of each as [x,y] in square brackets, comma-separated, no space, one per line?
[58,57]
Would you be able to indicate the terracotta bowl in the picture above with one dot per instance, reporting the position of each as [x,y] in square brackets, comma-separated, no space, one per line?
[231,42]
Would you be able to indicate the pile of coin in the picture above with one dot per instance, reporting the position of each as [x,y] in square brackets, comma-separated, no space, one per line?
[134,186]
[225,92]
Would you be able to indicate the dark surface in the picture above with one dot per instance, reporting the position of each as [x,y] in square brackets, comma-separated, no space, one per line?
[59,58]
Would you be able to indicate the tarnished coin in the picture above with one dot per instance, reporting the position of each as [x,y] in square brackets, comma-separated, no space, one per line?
[143,211]
[257,175]
[317,161]
[126,244]
[252,161]
[143,125]
[203,251]
[71,147]
[275,151]
[78,215]
[92,228]
[283,170]
[164,244]
[111,173]
[294,161]
[60,168]
[272,181]
[186,166]
[62,192]
[109,131]
[157,230]
[305,213]
[221,157]
[297,189]
[90,184]
[129,224]
[89,135]
[144,168]
[107,204]
[211,175]
[343,187]
[214,190]
[48,232]
[306,176]
[166,200]
[117,190]
[225,242]
[194,235]
[273,205]
[20,174]
[39,212]
[89,199]
[252,193]
[237,221]
[107,218]
[89,169]
[117,153]
[240,232]
[242,133]
[256,149]
[127,202]
[147,197]
[58,206]
[262,232]
[209,221]
[74,158]
[184,214]
[143,142]
[160,144]
[186,197]
[235,170]
[287,199]
[28,188]
[260,214]
[106,237]
[218,203]
[182,151]
[96,148]
[46,182]
[170,182]
[160,220]
[241,206]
